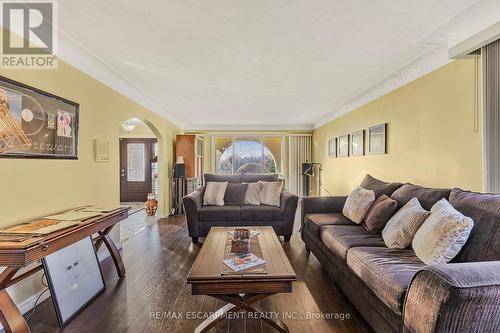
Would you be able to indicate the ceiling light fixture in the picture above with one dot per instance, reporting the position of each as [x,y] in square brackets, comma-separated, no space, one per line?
[130,124]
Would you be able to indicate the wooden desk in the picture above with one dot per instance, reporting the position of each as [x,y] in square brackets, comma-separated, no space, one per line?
[241,291]
[16,255]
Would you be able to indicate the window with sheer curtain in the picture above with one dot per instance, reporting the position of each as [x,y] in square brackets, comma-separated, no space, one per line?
[248,155]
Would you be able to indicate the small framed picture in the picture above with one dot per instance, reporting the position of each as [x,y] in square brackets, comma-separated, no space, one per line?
[74,277]
[332,147]
[377,139]
[357,144]
[343,146]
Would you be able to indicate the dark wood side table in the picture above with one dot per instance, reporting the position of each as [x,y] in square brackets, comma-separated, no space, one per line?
[241,291]
[16,255]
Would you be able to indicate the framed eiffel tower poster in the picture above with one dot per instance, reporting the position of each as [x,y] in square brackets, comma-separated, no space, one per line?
[36,124]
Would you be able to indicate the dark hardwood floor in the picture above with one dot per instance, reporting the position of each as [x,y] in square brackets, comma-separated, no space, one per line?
[154,296]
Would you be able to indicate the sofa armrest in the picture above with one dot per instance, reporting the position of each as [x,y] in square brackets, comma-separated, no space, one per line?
[192,204]
[288,205]
[461,297]
[329,204]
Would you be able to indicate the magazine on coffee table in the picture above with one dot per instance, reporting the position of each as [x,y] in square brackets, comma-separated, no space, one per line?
[244,261]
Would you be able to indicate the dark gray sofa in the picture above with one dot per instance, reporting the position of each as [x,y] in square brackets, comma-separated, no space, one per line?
[201,218]
[392,289]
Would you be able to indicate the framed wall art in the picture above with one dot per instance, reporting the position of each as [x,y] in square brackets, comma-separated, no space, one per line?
[332,147]
[36,124]
[343,146]
[377,139]
[357,143]
[74,277]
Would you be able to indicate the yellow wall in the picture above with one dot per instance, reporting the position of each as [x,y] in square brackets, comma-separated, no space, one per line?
[31,187]
[431,138]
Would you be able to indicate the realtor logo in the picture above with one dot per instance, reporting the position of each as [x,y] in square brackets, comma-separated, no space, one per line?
[28,34]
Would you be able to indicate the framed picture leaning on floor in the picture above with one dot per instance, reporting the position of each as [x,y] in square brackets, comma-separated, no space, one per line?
[74,277]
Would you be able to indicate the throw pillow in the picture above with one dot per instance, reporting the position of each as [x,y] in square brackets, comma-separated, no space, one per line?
[270,193]
[379,213]
[402,227]
[358,203]
[252,194]
[235,194]
[442,235]
[214,193]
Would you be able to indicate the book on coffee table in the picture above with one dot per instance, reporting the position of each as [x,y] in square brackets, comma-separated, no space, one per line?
[242,262]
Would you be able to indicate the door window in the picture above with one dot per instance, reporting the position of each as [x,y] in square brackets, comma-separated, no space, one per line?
[136,162]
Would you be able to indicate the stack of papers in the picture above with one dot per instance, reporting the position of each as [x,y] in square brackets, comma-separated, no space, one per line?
[73,216]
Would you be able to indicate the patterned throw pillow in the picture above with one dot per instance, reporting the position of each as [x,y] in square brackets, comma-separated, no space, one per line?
[252,194]
[214,193]
[270,193]
[358,203]
[442,235]
[402,227]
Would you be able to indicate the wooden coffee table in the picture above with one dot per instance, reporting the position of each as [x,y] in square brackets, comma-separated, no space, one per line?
[240,291]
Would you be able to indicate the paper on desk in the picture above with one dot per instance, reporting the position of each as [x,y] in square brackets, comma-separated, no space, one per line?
[99,209]
[73,216]
[40,227]
[59,226]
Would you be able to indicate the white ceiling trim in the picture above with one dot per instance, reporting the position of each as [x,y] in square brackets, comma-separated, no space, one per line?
[260,127]
[78,56]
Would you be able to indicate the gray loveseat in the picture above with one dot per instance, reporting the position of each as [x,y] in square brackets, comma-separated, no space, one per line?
[392,289]
[201,218]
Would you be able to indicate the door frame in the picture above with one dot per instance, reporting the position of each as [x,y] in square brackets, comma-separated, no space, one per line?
[149,160]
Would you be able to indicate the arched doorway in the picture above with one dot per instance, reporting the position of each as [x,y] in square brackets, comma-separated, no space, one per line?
[140,159]
[140,172]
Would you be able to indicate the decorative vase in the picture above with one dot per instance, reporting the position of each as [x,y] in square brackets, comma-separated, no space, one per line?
[151,205]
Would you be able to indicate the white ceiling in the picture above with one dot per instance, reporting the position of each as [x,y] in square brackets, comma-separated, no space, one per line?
[217,64]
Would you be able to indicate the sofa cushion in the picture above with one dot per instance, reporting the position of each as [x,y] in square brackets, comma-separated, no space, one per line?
[379,213]
[235,194]
[270,193]
[442,235]
[402,227]
[484,209]
[340,238]
[214,193]
[378,186]
[358,203]
[387,272]
[219,213]
[314,222]
[261,213]
[255,178]
[209,177]
[252,194]
[427,196]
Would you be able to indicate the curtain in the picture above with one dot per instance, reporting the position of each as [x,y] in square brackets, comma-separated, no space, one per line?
[491,99]
[299,151]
